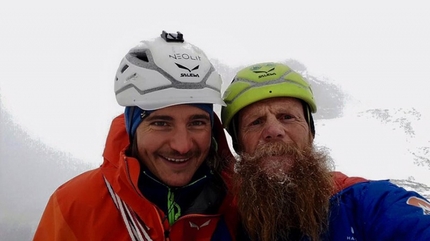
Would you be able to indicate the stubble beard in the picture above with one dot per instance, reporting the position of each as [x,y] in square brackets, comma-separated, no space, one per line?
[286,197]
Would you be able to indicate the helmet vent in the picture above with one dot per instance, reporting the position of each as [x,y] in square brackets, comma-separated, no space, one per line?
[124,68]
[142,56]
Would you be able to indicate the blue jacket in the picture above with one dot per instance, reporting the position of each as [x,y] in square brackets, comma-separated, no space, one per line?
[377,210]
[363,210]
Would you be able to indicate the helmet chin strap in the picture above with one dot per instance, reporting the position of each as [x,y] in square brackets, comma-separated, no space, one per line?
[129,123]
[233,132]
[309,118]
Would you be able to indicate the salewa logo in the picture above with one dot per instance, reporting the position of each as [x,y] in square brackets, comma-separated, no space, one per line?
[193,225]
[264,73]
[189,74]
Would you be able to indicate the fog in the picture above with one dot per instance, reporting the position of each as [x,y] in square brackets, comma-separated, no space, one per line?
[367,62]
[372,143]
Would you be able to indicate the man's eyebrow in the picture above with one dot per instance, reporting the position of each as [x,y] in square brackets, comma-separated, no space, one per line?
[252,118]
[153,117]
[158,117]
[200,116]
[254,115]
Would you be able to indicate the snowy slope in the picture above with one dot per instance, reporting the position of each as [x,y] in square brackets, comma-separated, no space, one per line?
[384,143]
[420,188]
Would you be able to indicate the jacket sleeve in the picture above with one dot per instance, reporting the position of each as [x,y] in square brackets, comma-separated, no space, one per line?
[389,212]
[52,225]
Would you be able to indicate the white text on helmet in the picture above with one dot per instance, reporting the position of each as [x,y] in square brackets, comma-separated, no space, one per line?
[185,56]
[189,75]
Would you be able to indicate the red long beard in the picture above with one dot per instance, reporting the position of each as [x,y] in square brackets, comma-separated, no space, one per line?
[282,190]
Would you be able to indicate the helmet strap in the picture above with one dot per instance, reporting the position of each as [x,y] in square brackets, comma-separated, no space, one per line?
[309,118]
[233,133]
[129,123]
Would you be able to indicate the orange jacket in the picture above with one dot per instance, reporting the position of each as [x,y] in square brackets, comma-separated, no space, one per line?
[83,208]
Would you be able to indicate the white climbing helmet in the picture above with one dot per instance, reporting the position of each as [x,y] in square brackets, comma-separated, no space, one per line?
[166,71]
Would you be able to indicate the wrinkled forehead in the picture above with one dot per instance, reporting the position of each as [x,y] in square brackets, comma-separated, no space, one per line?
[277,104]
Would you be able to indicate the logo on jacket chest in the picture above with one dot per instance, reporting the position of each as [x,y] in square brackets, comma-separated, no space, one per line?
[197,226]
[421,203]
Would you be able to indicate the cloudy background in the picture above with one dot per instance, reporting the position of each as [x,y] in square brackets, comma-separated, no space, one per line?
[369,61]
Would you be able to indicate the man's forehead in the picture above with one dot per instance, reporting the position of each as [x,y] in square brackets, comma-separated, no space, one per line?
[178,111]
[179,108]
[279,103]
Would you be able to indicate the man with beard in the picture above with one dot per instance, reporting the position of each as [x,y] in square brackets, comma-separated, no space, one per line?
[285,187]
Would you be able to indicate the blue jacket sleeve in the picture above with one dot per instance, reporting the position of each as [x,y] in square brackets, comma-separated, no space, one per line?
[389,212]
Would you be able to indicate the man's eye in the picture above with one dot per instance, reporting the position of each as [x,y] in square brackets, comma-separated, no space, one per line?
[159,123]
[287,117]
[256,122]
[198,123]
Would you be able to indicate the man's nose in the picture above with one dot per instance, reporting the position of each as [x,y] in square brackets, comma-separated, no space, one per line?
[274,130]
[181,141]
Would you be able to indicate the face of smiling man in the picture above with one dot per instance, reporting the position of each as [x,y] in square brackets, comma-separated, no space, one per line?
[173,142]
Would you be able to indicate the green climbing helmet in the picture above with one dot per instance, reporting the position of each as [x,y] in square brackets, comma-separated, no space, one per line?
[261,81]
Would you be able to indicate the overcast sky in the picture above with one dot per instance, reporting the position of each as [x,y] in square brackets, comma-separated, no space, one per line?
[58,58]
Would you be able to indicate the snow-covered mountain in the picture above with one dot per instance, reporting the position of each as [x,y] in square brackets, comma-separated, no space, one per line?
[413,124]
[388,143]
[29,172]
[409,185]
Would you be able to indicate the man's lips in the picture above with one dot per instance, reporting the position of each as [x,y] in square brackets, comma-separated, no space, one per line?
[175,159]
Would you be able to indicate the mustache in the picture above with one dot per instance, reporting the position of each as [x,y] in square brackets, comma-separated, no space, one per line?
[282,170]
[269,149]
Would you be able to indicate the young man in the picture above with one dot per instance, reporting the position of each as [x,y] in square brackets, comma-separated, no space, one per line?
[285,188]
[163,177]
